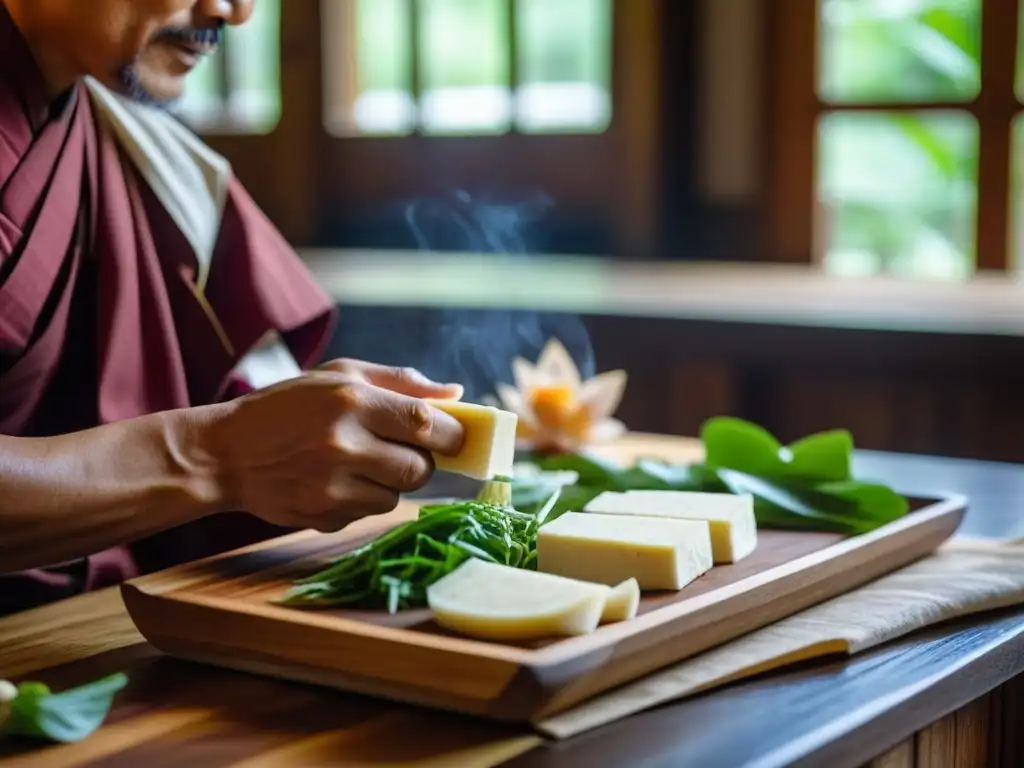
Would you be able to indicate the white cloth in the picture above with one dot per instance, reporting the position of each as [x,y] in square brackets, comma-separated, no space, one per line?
[962,578]
[191,182]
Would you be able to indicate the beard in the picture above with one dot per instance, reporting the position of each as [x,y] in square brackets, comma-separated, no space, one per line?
[132,83]
[132,87]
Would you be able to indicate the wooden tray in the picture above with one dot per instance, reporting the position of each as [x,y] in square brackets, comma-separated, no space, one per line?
[217,611]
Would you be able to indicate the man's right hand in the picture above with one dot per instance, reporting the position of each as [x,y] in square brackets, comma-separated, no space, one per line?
[330,447]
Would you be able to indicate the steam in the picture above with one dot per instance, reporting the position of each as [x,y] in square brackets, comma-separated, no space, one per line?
[475,347]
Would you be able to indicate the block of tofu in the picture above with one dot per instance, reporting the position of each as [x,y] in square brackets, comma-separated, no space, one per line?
[622,602]
[730,518]
[659,552]
[497,602]
[490,444]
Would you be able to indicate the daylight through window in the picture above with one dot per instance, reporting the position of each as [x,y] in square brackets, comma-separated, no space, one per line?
[238,89]
[466,67]
[898,139]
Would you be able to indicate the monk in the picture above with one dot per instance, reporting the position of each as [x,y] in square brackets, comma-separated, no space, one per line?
[158,338]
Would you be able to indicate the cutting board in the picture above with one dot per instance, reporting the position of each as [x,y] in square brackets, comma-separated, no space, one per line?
[217,611]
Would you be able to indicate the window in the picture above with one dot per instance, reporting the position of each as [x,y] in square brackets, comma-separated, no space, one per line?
[238,89]
[466,67]
[900,116]
[358,107]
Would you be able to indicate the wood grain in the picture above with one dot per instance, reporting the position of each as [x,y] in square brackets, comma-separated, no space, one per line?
[1011,710]
[901,756]
[62,632]
[175,713]
[220,611]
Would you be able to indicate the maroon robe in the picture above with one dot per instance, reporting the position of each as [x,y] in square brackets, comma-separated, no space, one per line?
[100,316]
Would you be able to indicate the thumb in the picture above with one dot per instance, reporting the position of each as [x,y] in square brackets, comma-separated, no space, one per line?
[411,382]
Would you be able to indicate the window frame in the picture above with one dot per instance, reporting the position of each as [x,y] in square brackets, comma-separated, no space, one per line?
[795,108]
[608,180]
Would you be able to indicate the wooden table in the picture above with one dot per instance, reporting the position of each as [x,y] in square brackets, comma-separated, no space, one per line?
[952,691]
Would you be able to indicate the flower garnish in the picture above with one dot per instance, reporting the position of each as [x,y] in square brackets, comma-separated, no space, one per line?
[557,410]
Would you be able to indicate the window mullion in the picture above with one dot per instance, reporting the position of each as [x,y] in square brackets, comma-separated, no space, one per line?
[995,108]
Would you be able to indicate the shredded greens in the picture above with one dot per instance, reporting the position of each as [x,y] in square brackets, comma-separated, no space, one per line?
[394,570]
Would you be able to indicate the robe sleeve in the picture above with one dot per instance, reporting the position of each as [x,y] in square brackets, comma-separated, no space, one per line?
[258,284]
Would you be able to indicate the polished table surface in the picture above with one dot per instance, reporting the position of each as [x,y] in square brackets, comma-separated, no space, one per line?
[833,713]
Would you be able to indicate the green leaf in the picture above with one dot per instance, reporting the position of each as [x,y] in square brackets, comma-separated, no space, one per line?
[670,477]
[955,28]
[592,470]
[929,142]
[873,501]
[823,456]
[789,505]
[738,444]
[68,716]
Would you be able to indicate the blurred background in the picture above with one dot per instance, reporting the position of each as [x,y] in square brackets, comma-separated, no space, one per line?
[805,212]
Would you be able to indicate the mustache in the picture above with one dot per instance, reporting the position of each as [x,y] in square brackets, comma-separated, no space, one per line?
[192,35]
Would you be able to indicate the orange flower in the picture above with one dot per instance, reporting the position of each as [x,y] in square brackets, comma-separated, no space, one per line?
[557,410]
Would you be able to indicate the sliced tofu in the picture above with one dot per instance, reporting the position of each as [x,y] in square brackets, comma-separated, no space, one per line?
[496,602]
[660,553]
[622,603]
[730,518]
[490,444]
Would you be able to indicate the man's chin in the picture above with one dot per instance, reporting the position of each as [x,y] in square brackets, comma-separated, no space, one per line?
[130,84]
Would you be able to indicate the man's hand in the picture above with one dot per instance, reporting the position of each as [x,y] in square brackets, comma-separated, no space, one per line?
[332,446]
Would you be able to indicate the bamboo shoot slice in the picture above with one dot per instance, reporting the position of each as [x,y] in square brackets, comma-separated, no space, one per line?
[622,603]
[489,601]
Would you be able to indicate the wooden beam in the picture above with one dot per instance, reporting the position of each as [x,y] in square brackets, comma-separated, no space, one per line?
[293,161]
[997,105]
[339,36]
[636,123]
[793,135]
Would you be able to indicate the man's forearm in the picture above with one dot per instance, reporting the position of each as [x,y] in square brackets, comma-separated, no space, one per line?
[74,495]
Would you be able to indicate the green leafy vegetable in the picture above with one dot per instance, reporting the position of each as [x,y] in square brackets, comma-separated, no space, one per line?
[737,444]
[68,716]
[394,570]
[804,486]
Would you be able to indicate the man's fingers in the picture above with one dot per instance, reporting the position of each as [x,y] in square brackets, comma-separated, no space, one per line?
[404,380]
[399,467]
[356,497]
[410,420]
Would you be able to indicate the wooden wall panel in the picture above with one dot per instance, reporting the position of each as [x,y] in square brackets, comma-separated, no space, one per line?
[956,399]
[1011,730]
[962,418]
[984,734]
[700,390]
[901,756]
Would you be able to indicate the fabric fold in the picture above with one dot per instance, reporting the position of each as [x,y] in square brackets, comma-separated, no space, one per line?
[963,577]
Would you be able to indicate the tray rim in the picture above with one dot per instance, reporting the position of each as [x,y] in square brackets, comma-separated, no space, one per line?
[522,684]
[156,586]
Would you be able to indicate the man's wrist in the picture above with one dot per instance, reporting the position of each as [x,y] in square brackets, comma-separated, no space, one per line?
[195,461]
